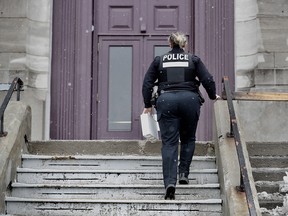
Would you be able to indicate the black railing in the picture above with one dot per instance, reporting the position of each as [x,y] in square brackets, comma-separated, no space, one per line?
[17,84]
[245,185]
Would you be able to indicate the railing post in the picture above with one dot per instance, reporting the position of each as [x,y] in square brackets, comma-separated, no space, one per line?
[15,85]
[2,133]
[18,91]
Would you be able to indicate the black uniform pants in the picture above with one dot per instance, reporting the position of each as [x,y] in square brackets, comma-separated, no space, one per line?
[177,113]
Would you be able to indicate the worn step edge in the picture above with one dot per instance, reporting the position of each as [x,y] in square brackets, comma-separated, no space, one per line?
[268,183]
[105,157]
[206,201]
[191,186]
[29,170]
[269,157]
[270,170]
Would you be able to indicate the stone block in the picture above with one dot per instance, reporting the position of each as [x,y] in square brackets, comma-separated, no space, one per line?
[264,77]
[38,38]
[39,10]
[17,61]
[38,80]
[275,40]
[7,76]
[245,10]
[246,63]
[247,37]
[13,8]
[281,76]
[266,60]
[274,31]
[244,80]
[13,35]
[268,7]
[274,23]
[39,64]
[22,74]
[12,61]
[281,60]
[4,61]
[4,76]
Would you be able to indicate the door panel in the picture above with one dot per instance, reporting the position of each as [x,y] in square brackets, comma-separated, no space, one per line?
[117,94]
[154,46]
[165,16]
[120,17]
[143,17]
[122,65]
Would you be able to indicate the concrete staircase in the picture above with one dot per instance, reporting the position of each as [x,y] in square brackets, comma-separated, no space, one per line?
[110,185]
[269,162]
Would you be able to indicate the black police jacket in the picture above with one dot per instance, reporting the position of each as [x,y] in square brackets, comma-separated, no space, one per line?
[177,70]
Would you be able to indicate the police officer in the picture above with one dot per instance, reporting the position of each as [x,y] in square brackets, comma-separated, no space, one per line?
[178,75]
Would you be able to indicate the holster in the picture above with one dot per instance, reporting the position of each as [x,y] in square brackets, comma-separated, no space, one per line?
[202,100]
[154,99]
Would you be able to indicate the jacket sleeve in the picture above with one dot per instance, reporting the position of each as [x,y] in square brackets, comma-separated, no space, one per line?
[205,77]
[149,82]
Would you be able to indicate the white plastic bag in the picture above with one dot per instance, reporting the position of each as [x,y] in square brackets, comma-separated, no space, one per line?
[149,127]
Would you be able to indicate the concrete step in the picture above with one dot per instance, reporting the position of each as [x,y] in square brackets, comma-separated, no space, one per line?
[269,174]
[269,161]
[270,200]
[268,186]
[101,162]
[103,185]
[91,207]
[108,147]
[125,192]
[268,149]
[38,176]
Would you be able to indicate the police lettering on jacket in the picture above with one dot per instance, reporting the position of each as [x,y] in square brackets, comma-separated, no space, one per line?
[176,67]
[175,60]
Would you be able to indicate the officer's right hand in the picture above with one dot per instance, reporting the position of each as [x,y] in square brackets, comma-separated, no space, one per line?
[148,110]
[217,97]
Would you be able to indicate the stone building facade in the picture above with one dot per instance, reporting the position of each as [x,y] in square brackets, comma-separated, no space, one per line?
[261,50]
[25,52]
[261,38]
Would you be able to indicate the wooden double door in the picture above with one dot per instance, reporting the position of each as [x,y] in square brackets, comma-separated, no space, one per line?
[130,33]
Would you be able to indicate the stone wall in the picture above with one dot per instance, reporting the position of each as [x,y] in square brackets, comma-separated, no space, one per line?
[13,25]
[272,70]
[261,44]
[25,52]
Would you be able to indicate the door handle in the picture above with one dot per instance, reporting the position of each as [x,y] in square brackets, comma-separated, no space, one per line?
[143,28]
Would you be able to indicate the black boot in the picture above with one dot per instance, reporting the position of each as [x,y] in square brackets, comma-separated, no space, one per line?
[170,192]
[183,179]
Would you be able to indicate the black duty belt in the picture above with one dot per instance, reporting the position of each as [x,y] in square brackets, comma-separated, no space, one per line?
[178,90]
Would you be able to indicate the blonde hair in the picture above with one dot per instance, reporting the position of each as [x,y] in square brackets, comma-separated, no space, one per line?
[178,39]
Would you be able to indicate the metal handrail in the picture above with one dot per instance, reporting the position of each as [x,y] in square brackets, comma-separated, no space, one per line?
[245,185]
[17,84]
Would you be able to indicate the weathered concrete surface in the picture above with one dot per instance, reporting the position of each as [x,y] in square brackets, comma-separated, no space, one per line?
[234,202]
[263,121]
[17,122]
[107,147]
